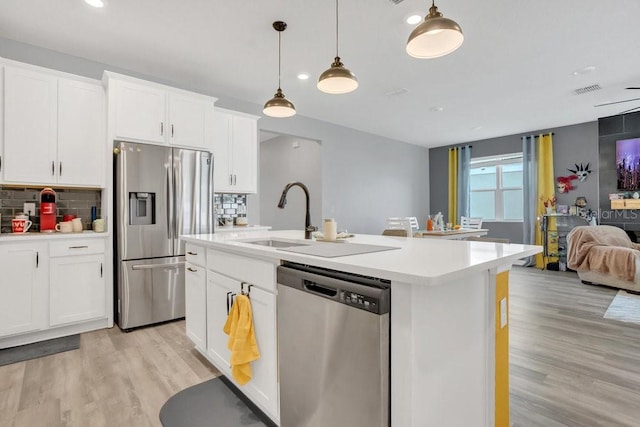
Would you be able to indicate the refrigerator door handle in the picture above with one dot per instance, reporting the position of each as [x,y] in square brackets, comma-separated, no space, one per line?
[174,213]
[152,266]
[169,206]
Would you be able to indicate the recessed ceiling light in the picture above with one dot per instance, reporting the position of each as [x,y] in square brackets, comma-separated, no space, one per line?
[437,109]
[584,70]
[95,3]
[413,19]
[303,76]
[398,91]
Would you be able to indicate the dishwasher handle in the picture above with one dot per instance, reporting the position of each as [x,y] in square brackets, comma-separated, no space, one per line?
[315,288]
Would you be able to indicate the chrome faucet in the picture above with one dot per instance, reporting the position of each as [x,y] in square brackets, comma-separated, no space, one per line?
[308,228]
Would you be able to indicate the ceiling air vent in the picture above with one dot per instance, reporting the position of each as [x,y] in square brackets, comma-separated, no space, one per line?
[587,89]
[396,1]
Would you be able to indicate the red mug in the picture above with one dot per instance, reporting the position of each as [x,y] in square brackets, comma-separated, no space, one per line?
[20,225]
[67,217]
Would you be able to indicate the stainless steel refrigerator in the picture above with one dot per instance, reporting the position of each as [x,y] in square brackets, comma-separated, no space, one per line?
[160,193]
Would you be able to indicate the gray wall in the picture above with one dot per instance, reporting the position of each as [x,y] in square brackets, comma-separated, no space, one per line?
[571,145]
[365,177]
[281,163]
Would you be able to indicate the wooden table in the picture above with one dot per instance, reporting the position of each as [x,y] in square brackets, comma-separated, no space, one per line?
[460,234]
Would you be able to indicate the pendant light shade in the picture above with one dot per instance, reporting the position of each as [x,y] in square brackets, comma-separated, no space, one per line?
[279,105]
[337,79]
[436,36]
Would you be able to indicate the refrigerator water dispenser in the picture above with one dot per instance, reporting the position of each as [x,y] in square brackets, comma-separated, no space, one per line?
[142,208]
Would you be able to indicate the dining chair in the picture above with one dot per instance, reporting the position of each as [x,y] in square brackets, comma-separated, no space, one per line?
[398,223]
[395,232]
[471,223]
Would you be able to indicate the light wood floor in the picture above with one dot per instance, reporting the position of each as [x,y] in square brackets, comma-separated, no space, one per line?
[114,379]
[569,366]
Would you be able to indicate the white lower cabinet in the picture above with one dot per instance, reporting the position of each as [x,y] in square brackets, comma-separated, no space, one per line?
[76,290]
[209,296]
[196,304]
[51,289]
[23,288]
[263,387]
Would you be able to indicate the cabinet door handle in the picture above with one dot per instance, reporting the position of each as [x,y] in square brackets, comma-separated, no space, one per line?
[78,247]
[192,253]
[53,168]
[234,179]
[100,269]
[230,296]
[230,179]
[37,259]
[161,128]
[193,270]
[171,130]
[60,167]
[0,163]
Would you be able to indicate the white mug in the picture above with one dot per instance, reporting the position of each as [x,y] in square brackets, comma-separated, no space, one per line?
[64,227]
[76,224]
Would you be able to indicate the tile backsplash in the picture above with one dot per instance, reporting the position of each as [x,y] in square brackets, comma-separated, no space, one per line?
[230,205]
[68,201]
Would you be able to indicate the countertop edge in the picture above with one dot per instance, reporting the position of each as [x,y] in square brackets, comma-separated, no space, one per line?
[30,237]
[395,276]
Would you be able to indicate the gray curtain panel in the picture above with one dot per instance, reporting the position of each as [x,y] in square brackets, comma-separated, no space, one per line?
[464,191]
[530,192]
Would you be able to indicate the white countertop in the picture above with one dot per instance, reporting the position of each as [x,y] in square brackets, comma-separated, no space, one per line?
[418,261]
[20,237]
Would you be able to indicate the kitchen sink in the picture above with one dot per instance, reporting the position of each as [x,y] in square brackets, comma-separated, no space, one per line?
[276,243]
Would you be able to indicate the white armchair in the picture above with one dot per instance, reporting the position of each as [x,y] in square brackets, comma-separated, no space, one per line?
[604,255]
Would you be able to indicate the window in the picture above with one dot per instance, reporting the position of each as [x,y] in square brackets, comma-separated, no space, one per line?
[496,187]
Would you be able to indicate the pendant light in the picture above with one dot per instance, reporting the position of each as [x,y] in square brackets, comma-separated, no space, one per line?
[279,106]
[436,36]
[337,79]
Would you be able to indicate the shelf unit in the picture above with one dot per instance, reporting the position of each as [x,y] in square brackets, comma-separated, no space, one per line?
[555,228]
[625,204]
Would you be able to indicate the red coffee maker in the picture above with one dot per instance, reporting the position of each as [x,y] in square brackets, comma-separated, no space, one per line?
[48,210]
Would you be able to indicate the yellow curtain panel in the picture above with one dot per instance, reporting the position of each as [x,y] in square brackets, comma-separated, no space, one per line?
[453,186]
[546,193]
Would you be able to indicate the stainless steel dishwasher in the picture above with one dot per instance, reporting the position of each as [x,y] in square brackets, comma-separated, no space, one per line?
[333,348]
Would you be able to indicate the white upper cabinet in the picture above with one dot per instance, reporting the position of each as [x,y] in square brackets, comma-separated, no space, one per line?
[235,152]
[190,121]
[54,129]
[30,124]
[81,133]
[149,112]
[139,112]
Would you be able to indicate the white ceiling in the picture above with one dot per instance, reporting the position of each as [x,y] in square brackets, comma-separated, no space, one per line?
[513,73]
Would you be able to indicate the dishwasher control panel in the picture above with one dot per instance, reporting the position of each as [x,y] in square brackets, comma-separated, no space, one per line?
[363,302]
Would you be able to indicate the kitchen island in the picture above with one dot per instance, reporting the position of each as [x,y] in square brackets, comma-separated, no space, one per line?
[449,317]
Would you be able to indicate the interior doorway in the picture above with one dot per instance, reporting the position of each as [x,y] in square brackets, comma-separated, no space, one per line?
[285,159]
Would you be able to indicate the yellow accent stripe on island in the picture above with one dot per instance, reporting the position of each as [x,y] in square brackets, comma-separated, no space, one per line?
[502,353]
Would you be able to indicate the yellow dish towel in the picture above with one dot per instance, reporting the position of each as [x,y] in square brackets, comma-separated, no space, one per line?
[242,339]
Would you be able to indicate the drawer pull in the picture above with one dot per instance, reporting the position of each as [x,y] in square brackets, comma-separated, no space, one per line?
[79,247]
[192,269]
[192,253]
